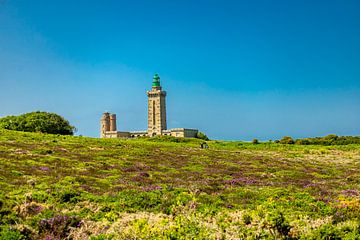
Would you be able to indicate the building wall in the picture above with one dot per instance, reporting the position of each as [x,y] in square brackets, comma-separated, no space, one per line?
[176,132]
[136,134]
[110,134]
[191,133]
[183,132]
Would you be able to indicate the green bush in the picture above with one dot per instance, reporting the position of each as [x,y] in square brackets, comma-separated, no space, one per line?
[255,141]
[287,140]
[8,234]
[246,218]
[302,142]
[202,136]
[43,122]
[279,224]
[102,237]
[331,231]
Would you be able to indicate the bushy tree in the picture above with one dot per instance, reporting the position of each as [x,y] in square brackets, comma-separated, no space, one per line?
[38,122]
[255,141]
[331,137]
[287,140]
[202,136]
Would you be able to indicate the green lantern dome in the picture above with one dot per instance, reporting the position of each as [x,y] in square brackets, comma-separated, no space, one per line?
[156,81]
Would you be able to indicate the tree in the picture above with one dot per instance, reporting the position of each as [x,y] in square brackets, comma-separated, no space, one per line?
[255,141]
[38,122]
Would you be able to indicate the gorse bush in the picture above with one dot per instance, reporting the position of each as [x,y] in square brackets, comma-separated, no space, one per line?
[43,122]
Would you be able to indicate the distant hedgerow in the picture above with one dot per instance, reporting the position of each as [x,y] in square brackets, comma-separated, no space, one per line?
[328,140]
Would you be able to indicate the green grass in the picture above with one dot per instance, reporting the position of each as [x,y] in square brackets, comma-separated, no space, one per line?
[56,186]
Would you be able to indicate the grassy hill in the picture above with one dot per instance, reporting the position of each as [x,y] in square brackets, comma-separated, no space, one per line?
[56,187]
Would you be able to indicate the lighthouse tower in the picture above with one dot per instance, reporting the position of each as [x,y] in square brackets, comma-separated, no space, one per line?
[156,108]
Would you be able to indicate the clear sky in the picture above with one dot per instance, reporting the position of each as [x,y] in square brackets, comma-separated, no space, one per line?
[239,69]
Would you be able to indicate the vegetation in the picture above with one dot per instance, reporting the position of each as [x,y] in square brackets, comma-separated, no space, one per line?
[328,140]
[57,187]
[38,122]
[287,140]
[202,136]
[331,139]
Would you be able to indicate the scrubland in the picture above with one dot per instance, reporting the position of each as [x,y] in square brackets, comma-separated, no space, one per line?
[65,187]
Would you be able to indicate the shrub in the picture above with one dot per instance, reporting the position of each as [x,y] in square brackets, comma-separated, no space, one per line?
[202,136]
[302,142]
[43,122]
[287,140]
[246,218]
[8,234]
[332,231]
[255,141]
[279,224]
[169,139]
[331,137]
[69,196]
[58,227]
[102,237]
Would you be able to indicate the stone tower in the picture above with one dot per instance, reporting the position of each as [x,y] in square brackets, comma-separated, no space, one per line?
[156,108]
[112,122]
[105,124]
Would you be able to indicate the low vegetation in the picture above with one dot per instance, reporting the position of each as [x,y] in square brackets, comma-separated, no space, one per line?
[328,140]
[201,135]
[43,122]
[57,187]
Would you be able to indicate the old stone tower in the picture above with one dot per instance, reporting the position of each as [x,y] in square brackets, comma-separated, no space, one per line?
[108,123]
[156,108]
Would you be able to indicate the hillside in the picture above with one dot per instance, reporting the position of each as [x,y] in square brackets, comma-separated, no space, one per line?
[53,187]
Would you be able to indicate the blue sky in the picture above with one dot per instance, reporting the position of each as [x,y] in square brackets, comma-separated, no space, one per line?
[234,69]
